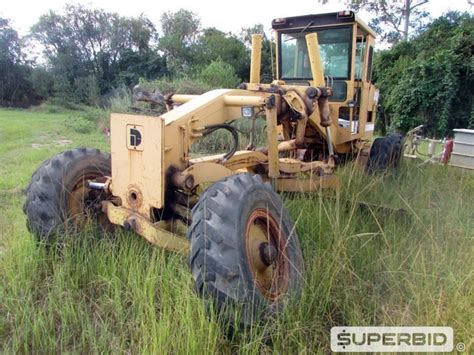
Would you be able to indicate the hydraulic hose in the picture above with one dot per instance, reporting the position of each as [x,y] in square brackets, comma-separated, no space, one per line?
[212,128]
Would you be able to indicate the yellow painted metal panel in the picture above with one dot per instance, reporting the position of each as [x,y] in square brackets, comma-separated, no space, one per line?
[137,168]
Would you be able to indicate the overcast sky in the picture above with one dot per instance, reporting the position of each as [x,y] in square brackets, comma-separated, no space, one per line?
[226,15]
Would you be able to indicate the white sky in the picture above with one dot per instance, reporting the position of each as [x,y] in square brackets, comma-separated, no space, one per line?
[226,15]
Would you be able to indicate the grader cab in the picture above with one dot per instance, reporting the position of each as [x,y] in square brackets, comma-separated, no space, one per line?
[346,48]
[222,210]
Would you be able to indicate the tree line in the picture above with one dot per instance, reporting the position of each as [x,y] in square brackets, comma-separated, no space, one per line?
[425,78]
[89,52]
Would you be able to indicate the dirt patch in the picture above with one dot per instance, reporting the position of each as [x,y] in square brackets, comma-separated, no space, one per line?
[16,191]
[63,142]
[56,143]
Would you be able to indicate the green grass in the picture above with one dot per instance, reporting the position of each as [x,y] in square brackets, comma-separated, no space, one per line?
[124,296]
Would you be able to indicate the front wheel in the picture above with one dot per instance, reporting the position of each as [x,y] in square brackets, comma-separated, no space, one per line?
[58,199]
[244,249]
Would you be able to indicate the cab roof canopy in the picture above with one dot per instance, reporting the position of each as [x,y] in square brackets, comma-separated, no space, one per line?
[317,20]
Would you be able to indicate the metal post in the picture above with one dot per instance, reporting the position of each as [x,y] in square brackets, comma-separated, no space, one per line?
[256,59]
[317,69]
[329,141]
[272,141]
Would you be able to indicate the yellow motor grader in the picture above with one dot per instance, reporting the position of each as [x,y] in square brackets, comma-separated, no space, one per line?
[223,210]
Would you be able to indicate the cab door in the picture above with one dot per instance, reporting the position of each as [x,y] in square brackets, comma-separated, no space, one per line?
[365,100]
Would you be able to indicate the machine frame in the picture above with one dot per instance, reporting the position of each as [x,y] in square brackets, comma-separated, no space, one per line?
[153,172]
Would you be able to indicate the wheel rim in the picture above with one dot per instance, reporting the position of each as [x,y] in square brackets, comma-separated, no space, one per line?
[267,254]
[84,204]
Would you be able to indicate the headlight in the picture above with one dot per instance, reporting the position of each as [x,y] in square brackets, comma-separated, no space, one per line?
[248,111]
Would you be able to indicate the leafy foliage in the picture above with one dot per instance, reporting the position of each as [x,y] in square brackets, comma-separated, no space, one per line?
[219,74]
[15,86]
[189,48]
[180,34]
[215,45]
[429,80]
[188,86]
[90,51]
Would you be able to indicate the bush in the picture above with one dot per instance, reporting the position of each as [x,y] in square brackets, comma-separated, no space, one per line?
[219,74]
[42,82]
[119,100]
[58,105]
[180,85]
[87,90]
[429,80]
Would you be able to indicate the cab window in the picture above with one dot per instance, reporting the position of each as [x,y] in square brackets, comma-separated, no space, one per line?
[359,60]
[335,48]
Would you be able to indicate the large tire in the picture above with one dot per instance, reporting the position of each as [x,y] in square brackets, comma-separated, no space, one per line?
[57,200]
[398,142]
[385,154]
[230,261]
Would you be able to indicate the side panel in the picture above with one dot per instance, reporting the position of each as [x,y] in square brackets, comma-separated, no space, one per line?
[137,161]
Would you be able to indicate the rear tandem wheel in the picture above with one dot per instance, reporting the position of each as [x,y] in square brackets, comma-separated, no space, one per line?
[385,153]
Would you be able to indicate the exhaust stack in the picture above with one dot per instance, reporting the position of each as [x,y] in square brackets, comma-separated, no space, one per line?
[256,59]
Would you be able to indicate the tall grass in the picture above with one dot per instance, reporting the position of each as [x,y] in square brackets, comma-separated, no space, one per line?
[363,267]
[182,85]
[221,141]
[120,100]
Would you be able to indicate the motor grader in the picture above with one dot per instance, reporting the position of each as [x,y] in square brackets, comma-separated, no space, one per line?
[223,211]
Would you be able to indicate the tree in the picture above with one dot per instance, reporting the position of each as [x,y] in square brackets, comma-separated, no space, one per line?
[214,45]
[429,79]
[181,31]
[393,19]
[15,86]
[87,48]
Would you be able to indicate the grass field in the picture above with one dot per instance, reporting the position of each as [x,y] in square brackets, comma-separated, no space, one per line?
[124,296]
